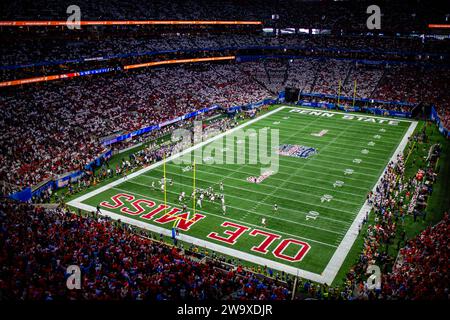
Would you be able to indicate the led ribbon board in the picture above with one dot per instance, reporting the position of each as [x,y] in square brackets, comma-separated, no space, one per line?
[104,70]
[125,22]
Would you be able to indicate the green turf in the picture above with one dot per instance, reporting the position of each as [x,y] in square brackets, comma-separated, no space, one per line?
[297,188]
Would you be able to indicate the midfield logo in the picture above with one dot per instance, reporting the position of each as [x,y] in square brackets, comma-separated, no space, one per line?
[297,151]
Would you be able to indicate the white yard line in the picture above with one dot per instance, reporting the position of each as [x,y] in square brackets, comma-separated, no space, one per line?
[258,192]
[172,157]
[256,213]
[308,162]
[227,217]
[300,168]
[388,138]
[278,179]
[335,262]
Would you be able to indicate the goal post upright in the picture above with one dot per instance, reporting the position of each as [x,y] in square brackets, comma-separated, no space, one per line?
[354,94]
[193,186]
[165,185]
[339,92]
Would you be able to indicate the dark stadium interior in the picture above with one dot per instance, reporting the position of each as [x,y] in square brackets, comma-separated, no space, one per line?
[64,92]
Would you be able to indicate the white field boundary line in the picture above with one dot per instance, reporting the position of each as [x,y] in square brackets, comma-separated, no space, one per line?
[252,210]
[77,203]
[346,244]
[308,162]
[288,123]
[334,264]
[78,200]
[386,139]
[253,191]
[235,220]
[301,167]
[345,114]
[273,179]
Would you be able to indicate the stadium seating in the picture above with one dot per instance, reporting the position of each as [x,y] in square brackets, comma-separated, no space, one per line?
[56,127]
[89,109]
[117,262]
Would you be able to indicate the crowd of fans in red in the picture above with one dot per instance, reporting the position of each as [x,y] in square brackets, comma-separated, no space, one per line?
[420,271]
[120,262]
[116,262]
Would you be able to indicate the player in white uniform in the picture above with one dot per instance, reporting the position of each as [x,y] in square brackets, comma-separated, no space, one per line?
[224,209]
[275,208]
[182,196]
[221,186]
[263,221]
[199,203]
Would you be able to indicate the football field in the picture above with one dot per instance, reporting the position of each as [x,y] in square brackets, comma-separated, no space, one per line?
[319,167]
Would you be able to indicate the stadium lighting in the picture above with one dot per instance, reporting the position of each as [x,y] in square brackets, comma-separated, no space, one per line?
[126,22]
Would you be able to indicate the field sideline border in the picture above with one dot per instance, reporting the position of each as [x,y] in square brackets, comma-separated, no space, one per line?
[336,261]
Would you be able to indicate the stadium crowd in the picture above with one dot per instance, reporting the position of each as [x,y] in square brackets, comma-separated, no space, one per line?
[116,262]
[422,261]
[90,108]
[23,52]
[155,150]
[323,15]
[422,269]
[57,127]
